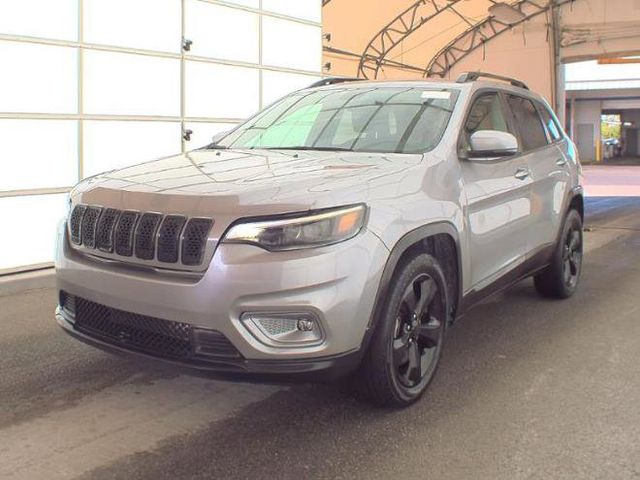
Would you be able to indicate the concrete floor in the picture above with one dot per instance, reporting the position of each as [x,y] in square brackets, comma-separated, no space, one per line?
[528,388]
[610,181]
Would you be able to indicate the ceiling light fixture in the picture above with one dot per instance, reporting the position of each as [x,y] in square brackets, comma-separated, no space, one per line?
[505,13]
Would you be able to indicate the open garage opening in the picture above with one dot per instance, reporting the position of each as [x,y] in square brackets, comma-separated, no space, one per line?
[603,109]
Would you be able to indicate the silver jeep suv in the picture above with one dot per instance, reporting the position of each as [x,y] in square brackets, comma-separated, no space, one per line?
[339,231]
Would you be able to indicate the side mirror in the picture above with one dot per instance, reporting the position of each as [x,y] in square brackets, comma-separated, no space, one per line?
[492,144]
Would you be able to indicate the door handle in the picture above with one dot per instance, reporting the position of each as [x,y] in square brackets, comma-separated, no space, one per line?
[522,173]
[561,162]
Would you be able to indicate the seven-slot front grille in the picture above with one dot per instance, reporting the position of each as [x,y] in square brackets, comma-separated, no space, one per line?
[145,235]
[169,238]
[124,233]
[88,226]
[195,234]
[74,223]
[151,335]
[105,229]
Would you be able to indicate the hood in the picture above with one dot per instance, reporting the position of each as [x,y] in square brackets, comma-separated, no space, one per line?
[246,182]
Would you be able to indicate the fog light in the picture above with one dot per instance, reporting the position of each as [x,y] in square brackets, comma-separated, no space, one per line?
[305,325]
[284,329]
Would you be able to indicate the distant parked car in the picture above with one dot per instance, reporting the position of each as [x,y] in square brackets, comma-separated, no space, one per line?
[340,231]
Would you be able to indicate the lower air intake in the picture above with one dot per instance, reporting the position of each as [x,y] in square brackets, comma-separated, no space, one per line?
[151,335]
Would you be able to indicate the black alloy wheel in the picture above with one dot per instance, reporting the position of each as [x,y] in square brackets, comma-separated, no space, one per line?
[572,257]
[561,278]
[418,332]
[406,345]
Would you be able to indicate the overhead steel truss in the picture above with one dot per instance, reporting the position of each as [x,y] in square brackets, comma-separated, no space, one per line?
[394,33]
[482,32]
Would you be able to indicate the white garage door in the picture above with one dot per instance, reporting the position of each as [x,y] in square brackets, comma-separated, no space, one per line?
[91,85]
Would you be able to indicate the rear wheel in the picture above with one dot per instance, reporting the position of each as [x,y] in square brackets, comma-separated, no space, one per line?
[560,279]
[406,346]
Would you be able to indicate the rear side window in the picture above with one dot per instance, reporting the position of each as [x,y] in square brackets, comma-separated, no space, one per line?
[485,114]
[550,123]
[532,132]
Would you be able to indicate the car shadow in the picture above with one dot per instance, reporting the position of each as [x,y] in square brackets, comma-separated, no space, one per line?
[299,431]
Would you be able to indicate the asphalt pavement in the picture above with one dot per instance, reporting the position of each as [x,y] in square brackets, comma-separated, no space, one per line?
[528,388]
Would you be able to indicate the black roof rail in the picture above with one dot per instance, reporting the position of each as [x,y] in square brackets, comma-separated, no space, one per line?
[333,80]
[473,76]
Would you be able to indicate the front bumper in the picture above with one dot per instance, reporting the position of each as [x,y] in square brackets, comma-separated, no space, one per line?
[337,284]
[321,368]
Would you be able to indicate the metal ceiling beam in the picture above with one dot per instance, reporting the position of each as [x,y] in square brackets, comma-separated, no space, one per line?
[384,63]
[397,30]
[480,34]
[324,2]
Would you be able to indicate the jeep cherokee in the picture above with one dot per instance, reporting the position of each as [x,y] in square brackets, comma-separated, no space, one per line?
[339,231]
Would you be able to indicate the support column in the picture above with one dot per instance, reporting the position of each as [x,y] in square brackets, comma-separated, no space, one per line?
[557,69]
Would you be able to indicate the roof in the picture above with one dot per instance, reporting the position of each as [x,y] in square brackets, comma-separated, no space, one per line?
[417,37]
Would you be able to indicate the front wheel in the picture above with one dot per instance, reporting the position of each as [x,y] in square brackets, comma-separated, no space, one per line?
[406,346]
[560,279]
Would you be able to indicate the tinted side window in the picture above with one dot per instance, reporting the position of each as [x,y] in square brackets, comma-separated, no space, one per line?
[526,116]
[485,114]
[550,123]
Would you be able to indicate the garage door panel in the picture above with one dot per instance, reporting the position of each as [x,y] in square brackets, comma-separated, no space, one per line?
[220,91]
[142,24]
[222,32]
[115,144]
[57,19]
[303,9]
[92,89]
[38,78]
[130,84]
[31,225]
[278,84]
[291,45]
[25,161]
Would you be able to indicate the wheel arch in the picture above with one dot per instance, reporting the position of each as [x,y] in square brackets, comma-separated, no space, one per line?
[577,202]
[442,241]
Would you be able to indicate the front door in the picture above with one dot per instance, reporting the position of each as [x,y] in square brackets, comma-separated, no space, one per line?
[498,198]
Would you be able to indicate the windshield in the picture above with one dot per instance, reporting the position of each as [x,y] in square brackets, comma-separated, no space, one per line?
[375,119]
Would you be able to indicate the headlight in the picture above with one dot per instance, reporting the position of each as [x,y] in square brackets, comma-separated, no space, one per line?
[320,228]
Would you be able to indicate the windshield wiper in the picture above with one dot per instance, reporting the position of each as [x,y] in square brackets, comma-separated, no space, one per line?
[304,147]
[215,146]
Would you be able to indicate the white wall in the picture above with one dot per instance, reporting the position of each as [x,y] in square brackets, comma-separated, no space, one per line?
[91,85]
[600,28]
[587,115]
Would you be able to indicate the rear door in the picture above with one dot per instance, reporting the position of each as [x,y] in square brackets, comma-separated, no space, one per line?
[541,140]
[498,197]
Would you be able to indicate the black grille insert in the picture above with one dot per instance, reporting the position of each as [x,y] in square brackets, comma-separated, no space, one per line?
[75,222]
[124,233]
[194,240]
[174,237]
[104,231]
[169,238]
[89,221]
[145,238]
[151,335]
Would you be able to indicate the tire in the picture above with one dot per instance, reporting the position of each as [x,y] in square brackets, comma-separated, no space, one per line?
[411,327]
[561,278]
